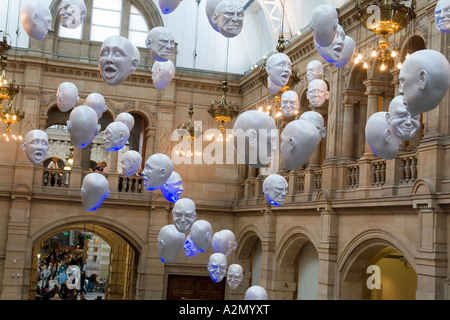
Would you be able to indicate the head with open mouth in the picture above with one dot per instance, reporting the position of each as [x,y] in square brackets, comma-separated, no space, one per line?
[117,60]
[333,53]
[36,145]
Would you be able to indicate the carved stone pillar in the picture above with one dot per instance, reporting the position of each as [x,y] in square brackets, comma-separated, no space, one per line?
[268,243]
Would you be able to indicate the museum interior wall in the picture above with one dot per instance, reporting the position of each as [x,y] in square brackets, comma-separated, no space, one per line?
[346,208]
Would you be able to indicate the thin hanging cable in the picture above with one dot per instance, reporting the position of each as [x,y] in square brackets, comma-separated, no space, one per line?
[194,54]
[226,65]
[7,16]
[282,18]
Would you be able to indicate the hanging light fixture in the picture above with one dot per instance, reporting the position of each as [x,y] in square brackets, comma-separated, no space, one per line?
[223,111]
[383,18]
[8,88]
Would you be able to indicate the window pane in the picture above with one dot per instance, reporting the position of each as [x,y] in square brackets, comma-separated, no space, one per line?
[137,38]
[138,23]
[115,5]
[101,33]
[106,18]
[70,33]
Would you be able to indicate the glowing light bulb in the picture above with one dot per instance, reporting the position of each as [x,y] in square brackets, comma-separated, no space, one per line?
[365,65]
[260,108]
[374,53]
[383,67]
[407,56]
[269,107]
[393,54]
[359,56]
[399,65]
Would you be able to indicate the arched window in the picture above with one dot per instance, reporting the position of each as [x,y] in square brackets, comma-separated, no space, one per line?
[107,19]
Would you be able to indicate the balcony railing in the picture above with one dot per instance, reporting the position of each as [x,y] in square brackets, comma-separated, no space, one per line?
[55,178]
[352,176]
[378,173]
[408,169]
[131,184]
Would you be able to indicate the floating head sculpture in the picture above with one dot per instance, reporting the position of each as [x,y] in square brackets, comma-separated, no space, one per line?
[36,145]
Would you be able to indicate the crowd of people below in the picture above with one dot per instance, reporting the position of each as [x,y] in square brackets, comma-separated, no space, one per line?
[57,269]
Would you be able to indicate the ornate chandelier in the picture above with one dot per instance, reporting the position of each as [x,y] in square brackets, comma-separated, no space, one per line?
[384,18]
[188,132]
[223,111]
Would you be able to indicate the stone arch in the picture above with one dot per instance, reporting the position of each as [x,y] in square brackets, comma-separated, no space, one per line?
[356,77]
[246,239]
[411,44]
[423,186]
[357,255]
[290,244]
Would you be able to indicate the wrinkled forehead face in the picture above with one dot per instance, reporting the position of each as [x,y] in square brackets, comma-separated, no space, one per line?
[289,99]
[230,16]
[184,206]
[442,15]
[314,70]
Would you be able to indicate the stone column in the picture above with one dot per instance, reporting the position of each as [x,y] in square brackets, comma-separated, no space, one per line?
[268,243]
[348,132]
[431,257]
[372,107]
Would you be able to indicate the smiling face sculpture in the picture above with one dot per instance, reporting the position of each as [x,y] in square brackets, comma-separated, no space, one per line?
[117,60]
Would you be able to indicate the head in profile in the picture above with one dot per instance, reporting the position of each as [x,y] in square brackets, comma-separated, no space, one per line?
[224,242]
[170,243]
[72,13]
[168,6]
[442,16]
[380,137]
[424,80]
[36,145]
[83,126]
[217,266]
[255,293]
[94,190]
[228,17]
[314,70]
[117,60]
[158,169]
[126,118]
[131,162]
[404,124]
[279,69]
[317,120]
[172,188]
[275,188]
[97,102]
[184,214]
[333,53]
[289,103]
[36,20]
[199,238]
[162,73]
[317,92]
[349,49]
[255,138]
[67,96]
[323,24]
[235,274]
[160,42]
[299,139]
[116,136]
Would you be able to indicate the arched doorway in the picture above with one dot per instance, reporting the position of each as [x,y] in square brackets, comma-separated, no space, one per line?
[118,283]
[307,272]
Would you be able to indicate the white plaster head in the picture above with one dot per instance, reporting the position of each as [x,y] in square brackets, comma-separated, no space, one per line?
[157,170]
[97,102]
[168,6]
[404,124]
[137,56]
[199,238]
[72,13]
[224,242]
[36,146]
[160,42]
[235,274]
[317,120]
[116,136]
[36,20]
[380,137]
[442,16]
[299,139]
[170,243]
[126,118]
[172,188]
[255,138]
[83,126]
[275,189]
[255,293]
[94,190]
[317,92]
[289,103]
[349,50]
[279,69]
[210,7]
[424,80]
[217,266]
[323,24]
[228,17]
[333,53]
[162,73]
[184,214]
[314,70]
[117,60]
[130,162]
[67,96]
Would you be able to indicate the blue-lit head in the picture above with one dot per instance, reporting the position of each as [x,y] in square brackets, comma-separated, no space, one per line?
[199,238]
[275,189]
[167,6]
[173,187]
[217,266]
[94,190]
[170,243]
[116,135]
